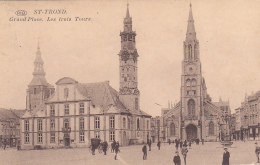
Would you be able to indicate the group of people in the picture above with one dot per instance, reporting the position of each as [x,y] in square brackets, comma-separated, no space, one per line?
[104,147]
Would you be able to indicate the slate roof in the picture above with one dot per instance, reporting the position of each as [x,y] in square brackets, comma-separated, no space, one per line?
[6,114]
[39,80]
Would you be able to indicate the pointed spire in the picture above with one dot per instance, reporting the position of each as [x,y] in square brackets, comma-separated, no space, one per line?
[191,28]
[127,11]
[128,20]
[38,73]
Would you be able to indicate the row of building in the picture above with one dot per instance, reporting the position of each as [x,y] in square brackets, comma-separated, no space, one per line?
[246,123]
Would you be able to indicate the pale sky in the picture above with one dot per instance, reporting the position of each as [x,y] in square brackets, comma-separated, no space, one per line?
[228,32]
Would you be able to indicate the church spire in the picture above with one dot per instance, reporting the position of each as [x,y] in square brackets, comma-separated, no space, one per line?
[191,34]
[38,73]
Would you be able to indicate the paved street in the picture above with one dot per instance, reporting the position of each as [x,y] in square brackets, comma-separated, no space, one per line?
[208,154]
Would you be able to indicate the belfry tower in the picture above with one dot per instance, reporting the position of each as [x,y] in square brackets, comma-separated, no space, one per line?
[191,85]
[38,89]
[128,92]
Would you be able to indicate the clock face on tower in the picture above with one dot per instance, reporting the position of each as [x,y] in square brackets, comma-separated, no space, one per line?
[191,69]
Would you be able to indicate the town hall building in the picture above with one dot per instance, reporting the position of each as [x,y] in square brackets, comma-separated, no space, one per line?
[72,113]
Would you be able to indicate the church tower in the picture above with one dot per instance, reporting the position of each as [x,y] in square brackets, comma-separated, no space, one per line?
[38,90]
[191,84]
[128,92]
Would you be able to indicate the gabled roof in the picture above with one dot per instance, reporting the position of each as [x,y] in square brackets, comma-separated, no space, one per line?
[102,95]
[38,80]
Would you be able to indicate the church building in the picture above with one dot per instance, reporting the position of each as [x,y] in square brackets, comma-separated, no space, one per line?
[195,115]
[72,113]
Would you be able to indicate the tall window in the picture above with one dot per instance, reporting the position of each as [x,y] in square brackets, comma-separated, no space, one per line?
[39,125]
[211,128]
[138,123]
[39,137]
[52,138]
[81,108]
[27,138]
[191,108]
[195,51]
[97,122]
[97,134]
[112,121]
[136,103]
[52,110]
[66,93]
[26,125]
[188,83]
[81,123]
[112,135]
[129,122]
[34,91]
[81,136]
[66,123]
[66,109]
[172,129]
[193,82]
[147,124]
[52,124]
[190,51]
[124,122]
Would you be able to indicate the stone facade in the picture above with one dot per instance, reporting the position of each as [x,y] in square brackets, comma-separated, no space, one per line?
[248,118]
[195,115]
[73,113]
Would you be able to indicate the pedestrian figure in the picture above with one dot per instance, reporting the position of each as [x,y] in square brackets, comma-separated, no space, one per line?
[184,152]
[93,149]
[177,144]
[4,145]
[226,157]
[113,144]
[185,143]
[177,159]
[144,149]
[181,143]
[150,144]
[159,145]
[189,143]
[169,141]
[257,151]
[116,150]
[105,147]
[202,141]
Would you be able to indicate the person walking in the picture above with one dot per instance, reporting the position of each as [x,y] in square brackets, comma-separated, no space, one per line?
[150,144]
[105,145]
[190,144]
[257,151]
[144,149]
[113,144]
[226,157]
[159,145]
[184,152]
[116,150]
[177,144]
[181,143]
[177,159]
[169,141]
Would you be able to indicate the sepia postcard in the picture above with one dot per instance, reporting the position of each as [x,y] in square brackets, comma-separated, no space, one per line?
[129,82]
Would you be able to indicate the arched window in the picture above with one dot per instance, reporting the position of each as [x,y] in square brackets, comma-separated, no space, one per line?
[190,52]
[193,82]
[211,128]
[138,123]
[191,108]
[172,129]
[188,82]
[195,51]
[124,122]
